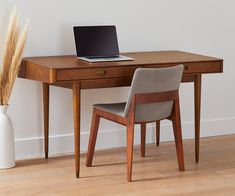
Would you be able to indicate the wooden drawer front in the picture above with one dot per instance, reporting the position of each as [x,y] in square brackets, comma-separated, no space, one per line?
[199,67]
[94,73]
[203,67]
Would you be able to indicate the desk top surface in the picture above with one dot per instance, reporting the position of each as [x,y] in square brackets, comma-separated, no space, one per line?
[140,58]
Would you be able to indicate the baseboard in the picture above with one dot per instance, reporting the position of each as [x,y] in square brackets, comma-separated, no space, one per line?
[63,144]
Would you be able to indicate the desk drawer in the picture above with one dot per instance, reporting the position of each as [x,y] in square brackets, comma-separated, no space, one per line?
[94,73]
[203,67]
[198,67]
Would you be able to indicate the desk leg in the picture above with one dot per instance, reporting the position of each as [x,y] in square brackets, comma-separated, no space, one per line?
[76,116]
[46,116]
[197,100]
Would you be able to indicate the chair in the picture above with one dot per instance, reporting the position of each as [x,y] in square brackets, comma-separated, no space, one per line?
[153,96]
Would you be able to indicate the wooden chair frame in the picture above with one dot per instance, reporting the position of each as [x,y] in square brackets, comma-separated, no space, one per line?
[143,136]
[129,122]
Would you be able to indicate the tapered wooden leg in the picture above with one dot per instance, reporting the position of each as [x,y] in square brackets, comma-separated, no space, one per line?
[178,135]
[93,136]
[76,115]
[143,139]
[158,132]
[46,117]
[130,141]
[197,100]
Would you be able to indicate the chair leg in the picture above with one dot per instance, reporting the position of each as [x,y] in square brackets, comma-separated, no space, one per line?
[158,132]
[92,139]
[143,139]
[178,136]
[130,141]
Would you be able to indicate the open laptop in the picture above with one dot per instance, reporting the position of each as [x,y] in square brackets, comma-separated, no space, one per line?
[97,44]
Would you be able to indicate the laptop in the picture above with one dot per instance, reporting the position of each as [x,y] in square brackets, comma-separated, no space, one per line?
[97,44]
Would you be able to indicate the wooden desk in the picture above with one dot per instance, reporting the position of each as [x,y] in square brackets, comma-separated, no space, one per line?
[69,72]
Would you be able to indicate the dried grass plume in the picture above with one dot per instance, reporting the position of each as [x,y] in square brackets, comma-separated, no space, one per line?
[12,57]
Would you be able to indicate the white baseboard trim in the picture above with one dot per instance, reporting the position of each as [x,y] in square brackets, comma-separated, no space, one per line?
[63,144]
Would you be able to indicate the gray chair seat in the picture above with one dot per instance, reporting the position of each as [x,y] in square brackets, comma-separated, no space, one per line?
[116,108]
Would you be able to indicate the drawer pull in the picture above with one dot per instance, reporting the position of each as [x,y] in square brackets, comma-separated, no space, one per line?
[101,72]
[185,67]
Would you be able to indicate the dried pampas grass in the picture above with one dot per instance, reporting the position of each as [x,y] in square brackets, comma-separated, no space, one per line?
[12,57]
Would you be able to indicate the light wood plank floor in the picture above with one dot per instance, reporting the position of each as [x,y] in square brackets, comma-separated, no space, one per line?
[156,174]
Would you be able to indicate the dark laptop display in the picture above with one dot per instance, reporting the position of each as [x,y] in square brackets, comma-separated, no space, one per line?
[96,41]
[97,44]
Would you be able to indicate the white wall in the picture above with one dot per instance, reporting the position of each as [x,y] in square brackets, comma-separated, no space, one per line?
[202,26]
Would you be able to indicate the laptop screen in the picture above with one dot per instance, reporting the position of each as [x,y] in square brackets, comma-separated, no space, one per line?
[96,41]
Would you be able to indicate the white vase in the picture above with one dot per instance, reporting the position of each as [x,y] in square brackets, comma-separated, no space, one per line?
[7,145]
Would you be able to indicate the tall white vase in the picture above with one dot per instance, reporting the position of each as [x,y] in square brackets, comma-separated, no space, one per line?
[7,144]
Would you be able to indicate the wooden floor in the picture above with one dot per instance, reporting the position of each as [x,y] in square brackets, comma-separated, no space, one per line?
[156,174]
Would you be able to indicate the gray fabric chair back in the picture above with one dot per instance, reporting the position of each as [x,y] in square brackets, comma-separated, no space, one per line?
[151,80]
